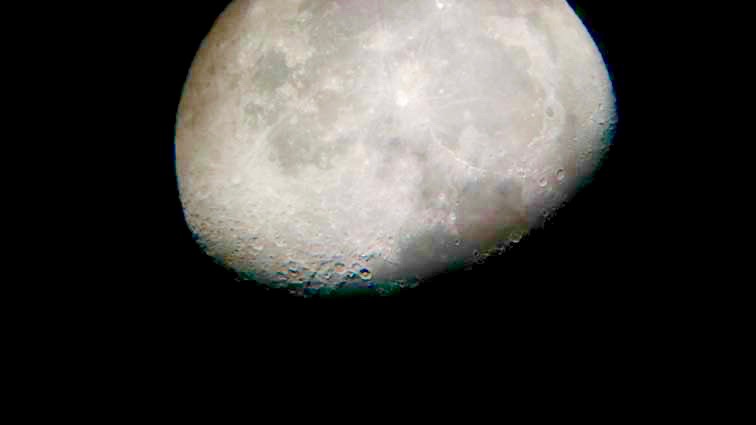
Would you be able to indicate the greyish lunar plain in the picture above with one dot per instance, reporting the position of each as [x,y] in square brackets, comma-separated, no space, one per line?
[331,147]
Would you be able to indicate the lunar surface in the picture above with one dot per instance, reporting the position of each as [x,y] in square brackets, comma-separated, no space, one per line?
[332,147]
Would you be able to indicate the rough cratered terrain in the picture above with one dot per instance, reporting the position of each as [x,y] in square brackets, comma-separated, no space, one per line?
[326,144]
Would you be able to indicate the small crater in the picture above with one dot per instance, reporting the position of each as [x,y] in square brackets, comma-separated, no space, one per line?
[516,236]
[366,274]
[560,175]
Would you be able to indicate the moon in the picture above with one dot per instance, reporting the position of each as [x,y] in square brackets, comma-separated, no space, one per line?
[331,147]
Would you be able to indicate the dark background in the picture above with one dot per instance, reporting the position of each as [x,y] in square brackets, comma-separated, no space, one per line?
[593,267]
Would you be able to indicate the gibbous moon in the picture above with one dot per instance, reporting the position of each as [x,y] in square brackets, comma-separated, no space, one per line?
[334,147]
